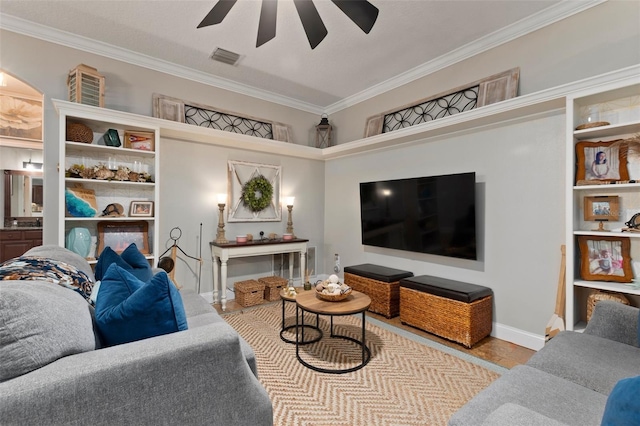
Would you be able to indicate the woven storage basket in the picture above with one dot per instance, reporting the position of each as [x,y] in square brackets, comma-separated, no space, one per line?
[603,295]
[249,292]
[385,297]
[272,288]
[465,323]
[77,132]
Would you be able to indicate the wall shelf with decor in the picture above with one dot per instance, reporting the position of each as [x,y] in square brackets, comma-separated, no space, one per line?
[603,192]
[108,180]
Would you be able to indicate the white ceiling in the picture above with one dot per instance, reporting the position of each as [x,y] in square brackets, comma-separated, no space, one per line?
[411,38]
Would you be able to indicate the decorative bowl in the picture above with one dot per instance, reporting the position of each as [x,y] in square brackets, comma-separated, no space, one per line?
[241,239]
[322,292]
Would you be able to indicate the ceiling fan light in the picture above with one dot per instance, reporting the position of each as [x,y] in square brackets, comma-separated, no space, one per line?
[225,56]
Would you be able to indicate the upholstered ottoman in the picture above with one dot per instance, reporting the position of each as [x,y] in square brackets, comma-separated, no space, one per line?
[380,283]
[454,310]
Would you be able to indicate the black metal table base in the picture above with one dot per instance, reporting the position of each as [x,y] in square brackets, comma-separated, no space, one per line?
[295,326]
[366,352]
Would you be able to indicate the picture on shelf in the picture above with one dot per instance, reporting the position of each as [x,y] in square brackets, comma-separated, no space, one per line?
[601,161]
[119,235]
[141,209]
[605,259]
[143,141]
[603,208]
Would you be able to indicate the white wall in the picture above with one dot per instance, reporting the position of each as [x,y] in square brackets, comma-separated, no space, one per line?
[192,175]
[601,39]
[519,169]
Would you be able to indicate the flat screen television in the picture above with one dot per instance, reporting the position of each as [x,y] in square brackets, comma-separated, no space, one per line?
[434,215]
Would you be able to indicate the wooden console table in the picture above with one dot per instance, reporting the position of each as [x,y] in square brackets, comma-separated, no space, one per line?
[224,252]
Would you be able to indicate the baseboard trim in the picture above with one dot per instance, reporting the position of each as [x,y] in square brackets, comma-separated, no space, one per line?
[517,336]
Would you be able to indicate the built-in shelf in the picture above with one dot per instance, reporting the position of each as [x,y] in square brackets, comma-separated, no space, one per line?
[609,286]
[608,234]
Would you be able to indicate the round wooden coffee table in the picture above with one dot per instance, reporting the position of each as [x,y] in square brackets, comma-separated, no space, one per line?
[356,303]
[284,295]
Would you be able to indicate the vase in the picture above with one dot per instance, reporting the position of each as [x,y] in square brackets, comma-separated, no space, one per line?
[79,241]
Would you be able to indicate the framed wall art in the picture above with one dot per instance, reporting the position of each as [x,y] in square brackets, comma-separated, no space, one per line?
[119,235]
[254,192]
[21,117]
[605,258]
[601,162]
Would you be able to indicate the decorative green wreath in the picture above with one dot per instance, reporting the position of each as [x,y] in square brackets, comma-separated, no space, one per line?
[257,193]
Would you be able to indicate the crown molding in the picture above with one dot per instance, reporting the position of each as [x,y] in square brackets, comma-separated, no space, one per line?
[525,26]
[518,29]
[64,38]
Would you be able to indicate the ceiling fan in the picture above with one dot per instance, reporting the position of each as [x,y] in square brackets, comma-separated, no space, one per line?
[361,12]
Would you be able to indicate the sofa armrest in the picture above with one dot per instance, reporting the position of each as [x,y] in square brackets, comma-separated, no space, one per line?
[615,321]
[196,376]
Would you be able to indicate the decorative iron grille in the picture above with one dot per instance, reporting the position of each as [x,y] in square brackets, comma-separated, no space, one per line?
[227,122]
[453,103]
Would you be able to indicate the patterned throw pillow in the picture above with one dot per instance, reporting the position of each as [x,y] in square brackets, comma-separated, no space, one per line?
[34,268]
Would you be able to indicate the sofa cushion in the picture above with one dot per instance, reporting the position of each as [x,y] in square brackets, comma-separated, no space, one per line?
[590,361]
[33,268]
[510,414]
[130,259]
[129,309]
[623,405]
[535,390]
[40,323]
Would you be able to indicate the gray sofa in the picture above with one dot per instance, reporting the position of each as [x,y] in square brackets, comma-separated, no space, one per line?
[568,381]
[204,375]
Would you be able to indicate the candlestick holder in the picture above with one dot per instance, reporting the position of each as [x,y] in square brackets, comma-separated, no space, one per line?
[220,236]
[290,222]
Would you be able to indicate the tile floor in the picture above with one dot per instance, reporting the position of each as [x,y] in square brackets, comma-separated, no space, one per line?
[494,350]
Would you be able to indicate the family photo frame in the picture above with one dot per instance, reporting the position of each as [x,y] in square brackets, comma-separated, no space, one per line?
[601,162]
[604,258]
[602,208]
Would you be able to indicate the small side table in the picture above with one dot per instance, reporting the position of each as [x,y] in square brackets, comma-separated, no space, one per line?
[284,295]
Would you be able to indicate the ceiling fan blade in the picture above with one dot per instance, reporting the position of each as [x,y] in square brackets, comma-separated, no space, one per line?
[267,24]
[311,21]
[217,13]
[361,12]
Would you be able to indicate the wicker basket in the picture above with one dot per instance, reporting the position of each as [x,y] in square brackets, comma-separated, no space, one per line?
[334,297]
[465,323]
[385,297]
[603,295]
[272,288]
[77,132]
[249,293]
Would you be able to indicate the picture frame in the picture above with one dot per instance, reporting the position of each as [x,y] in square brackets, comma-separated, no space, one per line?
[599,162]
[141,209]
[26,110]
[119,235]
[143,141]
[604,258]
[602,208]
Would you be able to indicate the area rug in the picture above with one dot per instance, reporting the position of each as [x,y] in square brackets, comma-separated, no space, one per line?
[406,382]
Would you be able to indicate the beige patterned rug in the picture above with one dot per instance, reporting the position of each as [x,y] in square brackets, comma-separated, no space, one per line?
[407,381]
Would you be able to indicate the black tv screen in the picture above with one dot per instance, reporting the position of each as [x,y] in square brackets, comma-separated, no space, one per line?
[434,215]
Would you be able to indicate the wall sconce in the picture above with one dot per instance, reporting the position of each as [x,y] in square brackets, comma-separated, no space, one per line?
[323,133]
[28,165]
[289,203]
[220,237]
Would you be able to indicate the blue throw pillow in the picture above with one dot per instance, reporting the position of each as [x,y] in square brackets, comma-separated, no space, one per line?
[129,309]
[623,405]
[131,260]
